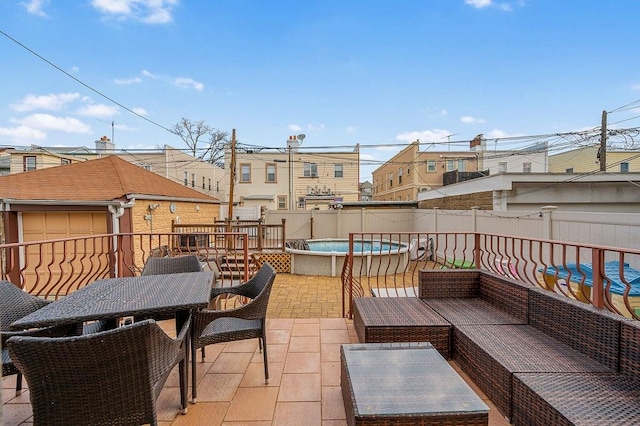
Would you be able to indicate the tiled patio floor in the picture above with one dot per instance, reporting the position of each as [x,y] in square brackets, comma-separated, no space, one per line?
[305,331]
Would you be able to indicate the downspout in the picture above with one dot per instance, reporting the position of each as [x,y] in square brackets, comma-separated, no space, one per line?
[116,214]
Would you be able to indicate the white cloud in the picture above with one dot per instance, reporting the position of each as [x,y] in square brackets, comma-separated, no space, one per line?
[435,135]
[478,4]
[23,133]
[351,129]
[148,74]
[75,69]
[98,110]
[294,127]
[133,80]
[147,11]
[186,83]
[139,111]
[51,102]
[50,122]
[316,128]
[470,120]
[635,87]
[34,7]
[499,134]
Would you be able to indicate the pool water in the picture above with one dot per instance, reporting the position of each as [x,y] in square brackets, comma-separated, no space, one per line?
[358,246]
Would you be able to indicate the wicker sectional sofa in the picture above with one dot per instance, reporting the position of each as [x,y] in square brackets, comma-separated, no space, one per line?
[543,359]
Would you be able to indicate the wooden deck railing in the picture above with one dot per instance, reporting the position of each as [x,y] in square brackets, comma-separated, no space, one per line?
[606,277]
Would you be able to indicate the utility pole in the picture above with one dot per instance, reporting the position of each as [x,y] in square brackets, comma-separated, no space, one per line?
[232,176]
[603,143]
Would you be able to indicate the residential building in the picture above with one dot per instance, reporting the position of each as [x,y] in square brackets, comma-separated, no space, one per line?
[366,191]
[587,159]
[13,160]
[94,197]
[412,171]
[293,179]
[594,192]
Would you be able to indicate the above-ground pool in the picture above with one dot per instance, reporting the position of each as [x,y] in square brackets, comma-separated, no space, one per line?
[326,256]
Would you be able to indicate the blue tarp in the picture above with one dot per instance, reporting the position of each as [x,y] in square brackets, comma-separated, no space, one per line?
[611,271]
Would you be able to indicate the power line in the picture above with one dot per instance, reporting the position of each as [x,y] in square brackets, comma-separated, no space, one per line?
[83,83]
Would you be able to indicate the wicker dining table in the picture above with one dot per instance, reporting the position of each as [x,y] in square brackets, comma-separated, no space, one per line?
[138,297]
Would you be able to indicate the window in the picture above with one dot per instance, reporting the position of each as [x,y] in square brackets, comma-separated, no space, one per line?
[502,167]
[282,202]
[431,166]
[28,163]
[338,170]
[186,178]
[209,184]
[569,170]
[400,176]
[450,165]
[245,172]
[271,173]
[64,161]
[390,180]
[193,180]
[217,186]
[462,165]
[624,167]
[526,167]
[310,170]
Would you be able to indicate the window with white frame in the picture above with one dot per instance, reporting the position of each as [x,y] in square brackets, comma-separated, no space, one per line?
[462,165]
[431,166]
[526,167]
[28,163]
[245,172]
[502,167]
[624,167]
[282,202]
[271,173]
[310,170]
[338,170]
[400,176]
[390,180]
[451,165]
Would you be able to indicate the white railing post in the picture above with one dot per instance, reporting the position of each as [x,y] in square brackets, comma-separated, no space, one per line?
[547,222]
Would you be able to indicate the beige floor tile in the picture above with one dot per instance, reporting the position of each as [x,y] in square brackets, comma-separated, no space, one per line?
[332,403]
[278,336]
[246,345]
[203,413]
[275,353]
[254,376]
[335,336]
[298,413]
[218,387]
[334,423]
[332,324]
[168,404]
[304,344]
[280,323]
[330,351]
[231,362]
[252,404]
[306,329]
[302,363]
[331,373]
[15,414]
[300,387]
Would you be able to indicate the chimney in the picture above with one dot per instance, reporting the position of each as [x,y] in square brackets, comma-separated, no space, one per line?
[105,146]
[293,143]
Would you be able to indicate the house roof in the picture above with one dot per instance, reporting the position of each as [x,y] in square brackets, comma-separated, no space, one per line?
[104,179]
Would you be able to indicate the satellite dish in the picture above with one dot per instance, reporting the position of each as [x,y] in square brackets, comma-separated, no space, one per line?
[301,136]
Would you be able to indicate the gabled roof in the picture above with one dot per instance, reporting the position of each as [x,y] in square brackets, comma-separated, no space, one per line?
[104,179]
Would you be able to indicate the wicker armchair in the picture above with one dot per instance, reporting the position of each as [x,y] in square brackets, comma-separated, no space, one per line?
[244,322]
[171,265]
[15,304]
[113,377]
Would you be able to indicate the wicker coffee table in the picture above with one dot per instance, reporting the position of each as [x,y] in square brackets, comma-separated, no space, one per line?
[405,384]
[400,319]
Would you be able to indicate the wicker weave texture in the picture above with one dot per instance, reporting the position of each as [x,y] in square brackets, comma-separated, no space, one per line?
[171,265]
[553,399]
[400,319]
[68,376]
[593,332]
[630,349]
[505,294]
[449,283]
[491,353]
[471,311]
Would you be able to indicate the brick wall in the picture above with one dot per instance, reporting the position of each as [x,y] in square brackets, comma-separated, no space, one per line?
[484,200]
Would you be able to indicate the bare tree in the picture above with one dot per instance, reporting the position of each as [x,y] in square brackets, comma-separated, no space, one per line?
[205,142]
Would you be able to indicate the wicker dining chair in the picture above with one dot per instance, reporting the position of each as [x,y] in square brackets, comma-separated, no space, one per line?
[171,265]
[112,377]
[245,322]
[15,304]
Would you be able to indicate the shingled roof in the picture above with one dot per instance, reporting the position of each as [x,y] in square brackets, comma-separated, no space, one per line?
[104,179]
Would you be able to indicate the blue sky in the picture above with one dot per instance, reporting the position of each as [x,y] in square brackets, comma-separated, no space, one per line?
[379,73]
